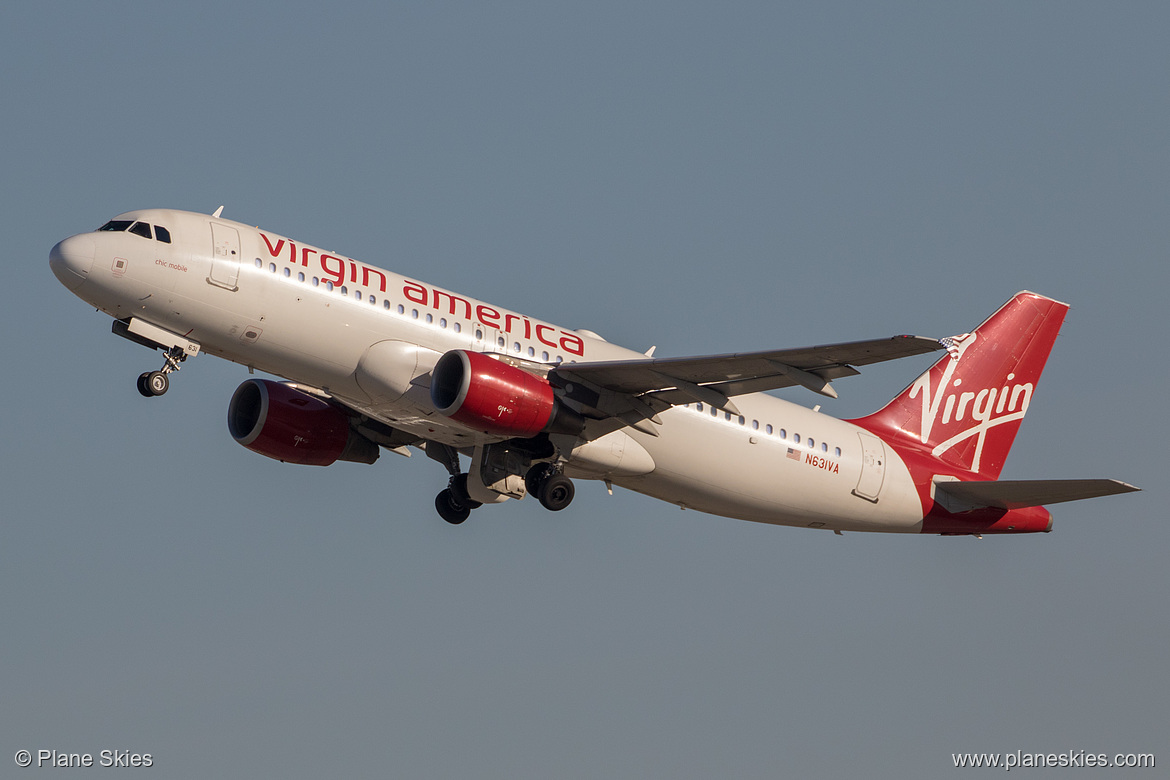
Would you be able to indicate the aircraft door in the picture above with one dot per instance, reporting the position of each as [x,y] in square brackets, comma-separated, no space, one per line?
[225,259]
[873,468]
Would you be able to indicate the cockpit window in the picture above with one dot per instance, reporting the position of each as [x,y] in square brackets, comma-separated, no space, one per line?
[138,229]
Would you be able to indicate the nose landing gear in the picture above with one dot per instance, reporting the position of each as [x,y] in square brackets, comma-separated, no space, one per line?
[153,383]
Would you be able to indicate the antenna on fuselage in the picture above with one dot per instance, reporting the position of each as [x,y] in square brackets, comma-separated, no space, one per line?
[217,212]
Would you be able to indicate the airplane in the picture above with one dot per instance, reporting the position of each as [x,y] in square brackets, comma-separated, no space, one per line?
[372,360]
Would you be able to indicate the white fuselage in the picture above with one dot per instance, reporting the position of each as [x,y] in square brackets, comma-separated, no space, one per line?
[333,323]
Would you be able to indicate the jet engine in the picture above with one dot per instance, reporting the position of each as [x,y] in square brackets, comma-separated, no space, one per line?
[494,397]
[282,423]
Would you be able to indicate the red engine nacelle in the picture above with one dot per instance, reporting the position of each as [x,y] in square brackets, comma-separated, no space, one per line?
[494,397]
[283,423]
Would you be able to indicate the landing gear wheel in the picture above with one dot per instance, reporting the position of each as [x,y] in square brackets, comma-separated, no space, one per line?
[556,492]
[450,509]
[156,383]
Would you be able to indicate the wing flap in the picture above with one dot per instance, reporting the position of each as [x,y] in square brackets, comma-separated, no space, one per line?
[1017,494]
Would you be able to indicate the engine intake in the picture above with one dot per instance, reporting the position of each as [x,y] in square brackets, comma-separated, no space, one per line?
[282,423]
[494,397]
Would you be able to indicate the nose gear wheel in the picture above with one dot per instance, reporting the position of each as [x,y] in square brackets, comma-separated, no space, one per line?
[155,383]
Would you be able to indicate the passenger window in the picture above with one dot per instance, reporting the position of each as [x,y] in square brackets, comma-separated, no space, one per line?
[344,290]
[301,276]
[457,327]
[838,451]
[811,443]
[699,406]
[373,301]
[544,356]
[430,319]
[259,263]
[162,234]
[287,273]
[755,425]
[141,229]
[401,309]
[796,438]
[784,434]
[824,447]
[386,304]
[768,429]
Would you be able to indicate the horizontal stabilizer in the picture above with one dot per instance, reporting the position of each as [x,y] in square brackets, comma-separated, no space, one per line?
[1016,494]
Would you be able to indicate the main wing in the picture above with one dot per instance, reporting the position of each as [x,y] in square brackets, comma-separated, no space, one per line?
[635,391]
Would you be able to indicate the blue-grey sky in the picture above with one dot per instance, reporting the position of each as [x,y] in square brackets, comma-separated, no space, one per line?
[701,177]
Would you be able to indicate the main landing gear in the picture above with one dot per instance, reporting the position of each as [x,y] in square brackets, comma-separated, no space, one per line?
[551,487]
[499,468]
[152,383]
[453,503]
[545,481]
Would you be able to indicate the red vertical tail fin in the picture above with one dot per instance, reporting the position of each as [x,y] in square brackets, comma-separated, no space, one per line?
[966,409]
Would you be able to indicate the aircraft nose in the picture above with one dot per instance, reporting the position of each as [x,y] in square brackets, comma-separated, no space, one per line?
[72,259]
